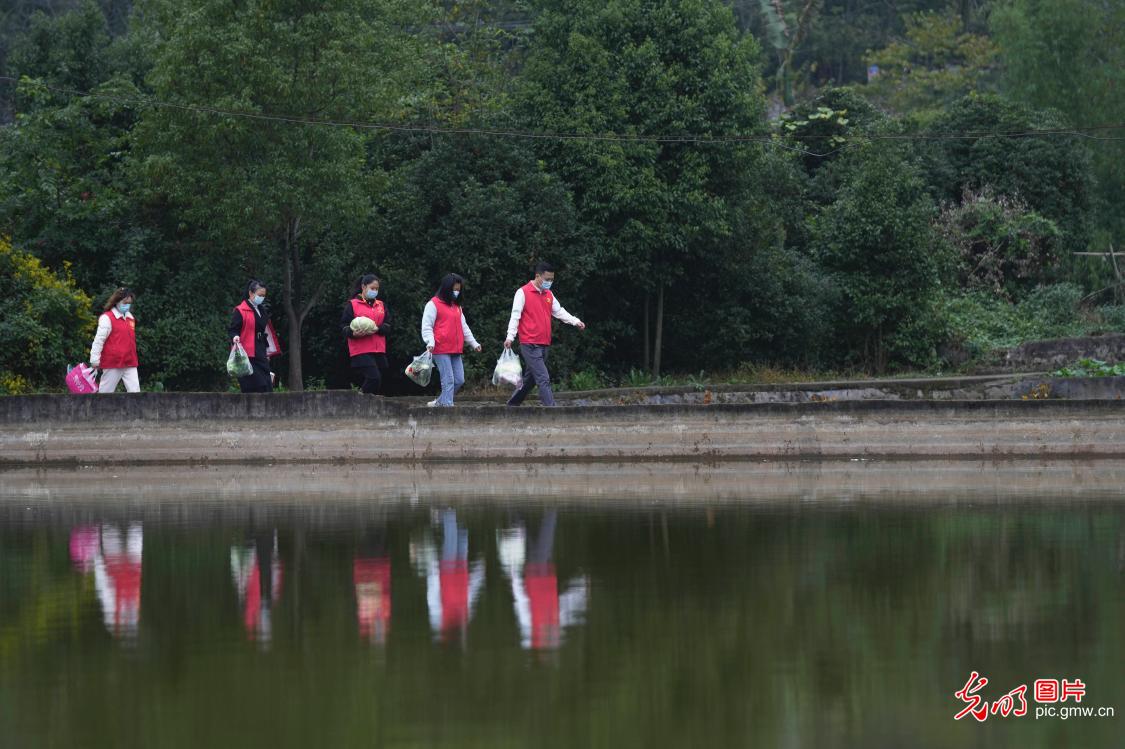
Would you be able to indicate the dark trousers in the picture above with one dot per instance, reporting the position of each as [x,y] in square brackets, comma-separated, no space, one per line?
[259,380]
[370,367]
[536,374]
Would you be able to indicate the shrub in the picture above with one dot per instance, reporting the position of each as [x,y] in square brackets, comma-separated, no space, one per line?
[45,322]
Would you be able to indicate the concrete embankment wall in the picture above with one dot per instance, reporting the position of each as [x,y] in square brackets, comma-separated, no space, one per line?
[186,428]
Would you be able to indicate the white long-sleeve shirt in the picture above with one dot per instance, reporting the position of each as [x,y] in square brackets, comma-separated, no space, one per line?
[518,301]
[429,317]
[105,327]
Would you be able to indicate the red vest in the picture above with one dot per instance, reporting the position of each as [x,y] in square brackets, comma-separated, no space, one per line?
[120,349]
[371,344]
[535,322]
[372,577]
[454,580]
[543,596]
[449,336]
[126,576]
[249,335]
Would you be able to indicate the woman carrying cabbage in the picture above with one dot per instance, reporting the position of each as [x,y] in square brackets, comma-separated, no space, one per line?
[364,322]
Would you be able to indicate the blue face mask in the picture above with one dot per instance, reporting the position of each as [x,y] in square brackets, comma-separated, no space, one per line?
[547,285]
[372,293]
[456,294]
[124,307]
[257,299]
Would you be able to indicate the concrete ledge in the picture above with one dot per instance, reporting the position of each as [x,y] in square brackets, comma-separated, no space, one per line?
[199,429]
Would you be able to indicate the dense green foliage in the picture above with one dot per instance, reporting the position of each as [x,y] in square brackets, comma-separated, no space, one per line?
[872,226]
[45,321]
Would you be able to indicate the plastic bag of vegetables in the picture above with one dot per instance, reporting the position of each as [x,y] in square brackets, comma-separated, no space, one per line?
[421,368]
[508,369]
[238,363]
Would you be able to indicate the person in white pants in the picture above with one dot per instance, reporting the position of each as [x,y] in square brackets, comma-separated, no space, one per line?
[115,345]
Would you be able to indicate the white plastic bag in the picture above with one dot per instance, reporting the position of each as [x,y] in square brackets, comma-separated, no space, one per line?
[238,363]
[508,370]
[421,368]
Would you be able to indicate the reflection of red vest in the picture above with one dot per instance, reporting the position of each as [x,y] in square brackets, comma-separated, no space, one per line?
[543,593]
[120,349]
[249,335]
[449,336]
[372,579]
[371,344]
[126,576]
[535,322]
[454,578]
[253,603]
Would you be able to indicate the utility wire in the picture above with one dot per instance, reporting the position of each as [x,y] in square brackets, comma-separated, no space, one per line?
[438,129]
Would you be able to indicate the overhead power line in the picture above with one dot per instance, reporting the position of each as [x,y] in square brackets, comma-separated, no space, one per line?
[1089,131]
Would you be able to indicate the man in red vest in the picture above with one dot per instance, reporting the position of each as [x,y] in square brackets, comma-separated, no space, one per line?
[533,309]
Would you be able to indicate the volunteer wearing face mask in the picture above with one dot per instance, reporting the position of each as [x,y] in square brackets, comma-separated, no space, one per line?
[249,325]
[445,332]
[533,308]
[367,341]
[115,344]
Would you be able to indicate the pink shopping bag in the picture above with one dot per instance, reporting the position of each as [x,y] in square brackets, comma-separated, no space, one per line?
[80,379]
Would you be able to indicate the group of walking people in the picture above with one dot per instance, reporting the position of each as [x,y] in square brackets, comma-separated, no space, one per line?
[444,330]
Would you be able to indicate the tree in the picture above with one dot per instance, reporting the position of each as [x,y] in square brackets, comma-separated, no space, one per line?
[1068,55]
[787,25]
[1050,173]
[937,62]
[45,323]
[876,244]
[283,193]
[655,210]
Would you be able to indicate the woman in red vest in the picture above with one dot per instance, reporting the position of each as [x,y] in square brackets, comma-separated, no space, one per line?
[367,347]
[115,344]
[445,332]
[249,325]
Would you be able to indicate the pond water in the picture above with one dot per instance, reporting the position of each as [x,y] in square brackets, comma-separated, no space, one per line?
[560,621]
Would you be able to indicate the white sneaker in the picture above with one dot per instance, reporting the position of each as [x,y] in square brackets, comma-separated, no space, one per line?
[432,403]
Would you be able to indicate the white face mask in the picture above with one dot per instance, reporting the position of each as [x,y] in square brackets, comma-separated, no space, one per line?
[257,299]
[456,293]
[547,285]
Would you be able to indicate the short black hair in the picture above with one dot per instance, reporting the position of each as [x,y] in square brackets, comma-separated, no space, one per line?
[544,267]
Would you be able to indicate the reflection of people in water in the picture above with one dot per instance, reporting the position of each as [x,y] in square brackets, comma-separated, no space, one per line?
[84,543]
[257,592]
[542,613]
[371,573]
[115,560]
[452,584]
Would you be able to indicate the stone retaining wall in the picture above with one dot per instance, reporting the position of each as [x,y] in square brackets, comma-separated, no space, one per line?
[353,428]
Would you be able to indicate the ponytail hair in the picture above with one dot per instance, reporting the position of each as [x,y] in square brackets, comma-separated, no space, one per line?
[123,292]
[365,280]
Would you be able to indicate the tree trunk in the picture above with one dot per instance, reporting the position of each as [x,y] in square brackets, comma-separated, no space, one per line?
[658,347]
[647,366]
[290,292]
